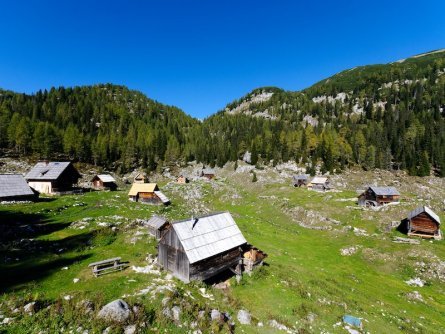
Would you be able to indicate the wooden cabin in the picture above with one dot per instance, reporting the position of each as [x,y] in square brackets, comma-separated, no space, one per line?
[141,178]
[182,179]
[147,193]
[208,173]
[201,247]
[13,187]
[300,180]
[376,196]
[157,226]
[319,183]
[53,177]
[104,182]
[423,222]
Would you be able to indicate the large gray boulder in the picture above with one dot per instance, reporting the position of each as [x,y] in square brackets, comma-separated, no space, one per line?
[244,317]
[116,311]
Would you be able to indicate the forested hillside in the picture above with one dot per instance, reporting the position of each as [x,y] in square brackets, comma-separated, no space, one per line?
[387,116]
[105,124]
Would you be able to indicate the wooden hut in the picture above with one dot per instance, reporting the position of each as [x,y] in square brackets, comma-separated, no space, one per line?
[147,193]
[104,182]
[319,183]
[182,179]
[300,180]
[141,178]
[13,187]
[201,247]
[53,177]
[423,222]
[376,196]
[156,226]
[208,173]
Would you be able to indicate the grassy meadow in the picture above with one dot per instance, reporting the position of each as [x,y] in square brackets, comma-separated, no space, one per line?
[306,285]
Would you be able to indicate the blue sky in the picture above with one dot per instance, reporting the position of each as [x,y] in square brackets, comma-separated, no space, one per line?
[200,55]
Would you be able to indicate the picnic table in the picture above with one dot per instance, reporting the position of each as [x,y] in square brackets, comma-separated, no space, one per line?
[106,266]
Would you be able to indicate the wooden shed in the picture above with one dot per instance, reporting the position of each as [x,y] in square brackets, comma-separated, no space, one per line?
[53,177]
[201,247]
[376,196]
[104,182]
[319,183]
[141,178]
[13,187]
[300,180]
[147,193]
[156,226]
[182,179]
[208,173]
[423,222]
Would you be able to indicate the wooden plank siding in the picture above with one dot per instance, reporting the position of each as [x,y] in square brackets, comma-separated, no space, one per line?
[423,224]
[172,257]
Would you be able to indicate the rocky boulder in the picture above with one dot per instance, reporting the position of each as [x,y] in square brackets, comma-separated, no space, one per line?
[116,311]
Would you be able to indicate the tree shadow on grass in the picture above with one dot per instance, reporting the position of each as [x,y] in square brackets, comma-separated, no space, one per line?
[25,258]
[17,225]
[15,277]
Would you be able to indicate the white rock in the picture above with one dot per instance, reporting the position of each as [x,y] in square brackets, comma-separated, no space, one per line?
[75,280]
[29,308]
[176,313]
[131,329]
[244,317]
[215,315]
[415,282]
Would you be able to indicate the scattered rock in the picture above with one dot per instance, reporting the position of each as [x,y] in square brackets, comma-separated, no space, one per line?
[275,324]
[216,315]
[131,329]
[117,311]
[348,251]
[244,317]
[414,296]
[30,308]
[415,282]
[176,313]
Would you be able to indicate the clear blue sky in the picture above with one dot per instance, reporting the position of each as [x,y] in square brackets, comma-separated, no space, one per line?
[200,55]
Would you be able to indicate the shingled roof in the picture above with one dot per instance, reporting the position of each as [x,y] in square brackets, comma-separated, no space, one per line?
[47,171]
[206,236]
[427,210]
[383,191]
[105,178]
[13,185]
[156,222]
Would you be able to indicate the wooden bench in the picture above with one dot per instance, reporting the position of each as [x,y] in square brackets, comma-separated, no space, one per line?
[107,266]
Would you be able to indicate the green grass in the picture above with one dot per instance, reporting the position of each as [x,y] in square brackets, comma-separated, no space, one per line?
[305,273]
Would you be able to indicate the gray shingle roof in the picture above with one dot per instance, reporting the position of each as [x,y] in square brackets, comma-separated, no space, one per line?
[106,178]
[421,209]
[12,185]
[300,177]
[382,191]
[47,171]
[209,235]
[156,222]
[162,197]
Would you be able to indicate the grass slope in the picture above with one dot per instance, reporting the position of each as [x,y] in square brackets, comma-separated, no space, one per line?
[307,285]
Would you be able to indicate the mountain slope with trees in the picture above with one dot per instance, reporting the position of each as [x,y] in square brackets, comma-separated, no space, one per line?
[388,116]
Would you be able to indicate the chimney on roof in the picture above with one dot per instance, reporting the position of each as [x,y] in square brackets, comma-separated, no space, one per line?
[194,221]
